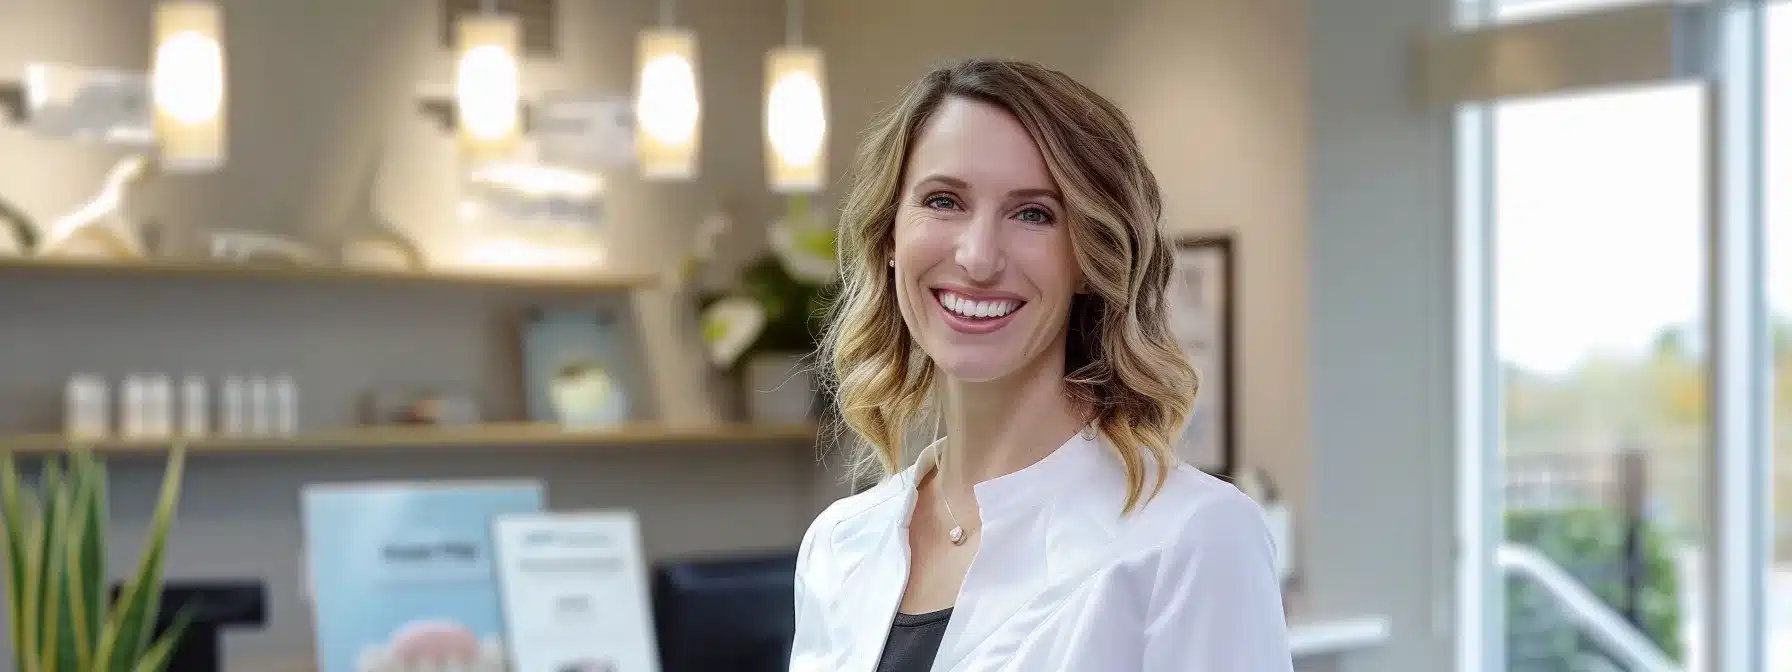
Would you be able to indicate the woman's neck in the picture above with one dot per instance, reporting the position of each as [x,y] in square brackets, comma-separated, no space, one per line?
[1000,427]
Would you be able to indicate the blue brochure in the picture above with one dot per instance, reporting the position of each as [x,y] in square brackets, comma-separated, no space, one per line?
[403,576]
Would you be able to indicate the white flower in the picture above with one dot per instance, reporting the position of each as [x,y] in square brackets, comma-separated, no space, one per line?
[729,327]
[708,232]
[806,249]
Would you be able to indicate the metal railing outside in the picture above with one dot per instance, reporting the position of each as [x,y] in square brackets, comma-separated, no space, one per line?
[1615,636]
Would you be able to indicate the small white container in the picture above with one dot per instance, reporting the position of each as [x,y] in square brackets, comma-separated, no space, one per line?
[130,407]
[235,402]
[157,419]
[84,411]
[285,406]
[261,406]
[193,408]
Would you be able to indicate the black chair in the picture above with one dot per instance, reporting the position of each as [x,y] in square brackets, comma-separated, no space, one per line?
[213,606]
[736,614]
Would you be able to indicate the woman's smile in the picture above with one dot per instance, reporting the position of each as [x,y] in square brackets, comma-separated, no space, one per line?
[968,312]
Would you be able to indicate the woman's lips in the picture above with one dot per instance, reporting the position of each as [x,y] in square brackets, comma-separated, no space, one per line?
[971,325]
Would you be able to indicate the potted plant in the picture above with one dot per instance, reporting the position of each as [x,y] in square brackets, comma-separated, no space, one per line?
[762,328]
[62,618]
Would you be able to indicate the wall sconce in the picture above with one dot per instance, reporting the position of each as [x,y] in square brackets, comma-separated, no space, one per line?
[796,123]
[487,86]
[187,85]
[668,114]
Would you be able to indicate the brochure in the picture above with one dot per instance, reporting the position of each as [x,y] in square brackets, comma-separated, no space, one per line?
[402,576]
[575,593]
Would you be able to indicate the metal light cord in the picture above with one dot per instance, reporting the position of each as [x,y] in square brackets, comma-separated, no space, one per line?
[793,22]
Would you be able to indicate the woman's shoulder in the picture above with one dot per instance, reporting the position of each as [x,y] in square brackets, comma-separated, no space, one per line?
[1197,512]
[887,491]
[884,498]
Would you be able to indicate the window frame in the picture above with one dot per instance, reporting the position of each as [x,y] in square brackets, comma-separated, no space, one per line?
[1728,37]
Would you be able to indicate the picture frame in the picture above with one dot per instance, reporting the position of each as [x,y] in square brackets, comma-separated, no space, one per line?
[1202,306]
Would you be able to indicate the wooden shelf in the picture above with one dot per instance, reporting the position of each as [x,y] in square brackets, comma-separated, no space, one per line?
[221,271]
[425,438]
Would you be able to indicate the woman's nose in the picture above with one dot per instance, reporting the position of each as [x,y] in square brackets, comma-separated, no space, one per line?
[980,251]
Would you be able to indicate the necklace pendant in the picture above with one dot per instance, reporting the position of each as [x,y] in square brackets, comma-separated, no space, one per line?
[956,535]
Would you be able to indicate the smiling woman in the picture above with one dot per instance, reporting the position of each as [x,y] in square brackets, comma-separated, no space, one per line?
[1005,274]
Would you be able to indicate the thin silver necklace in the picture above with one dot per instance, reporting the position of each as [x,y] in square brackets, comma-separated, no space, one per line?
[956,535]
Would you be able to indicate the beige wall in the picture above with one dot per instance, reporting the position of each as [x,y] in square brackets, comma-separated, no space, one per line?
[1217,90]
[322,97]
[316,87]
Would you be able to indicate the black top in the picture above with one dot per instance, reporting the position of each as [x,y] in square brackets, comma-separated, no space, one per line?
[914,641]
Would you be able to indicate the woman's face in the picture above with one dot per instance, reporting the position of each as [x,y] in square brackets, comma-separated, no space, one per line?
[984,267]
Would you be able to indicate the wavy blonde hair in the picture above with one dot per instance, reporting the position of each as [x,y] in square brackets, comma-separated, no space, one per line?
[1122,361]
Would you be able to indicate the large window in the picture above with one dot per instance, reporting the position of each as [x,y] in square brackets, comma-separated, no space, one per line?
[1599,487]
[1598,222]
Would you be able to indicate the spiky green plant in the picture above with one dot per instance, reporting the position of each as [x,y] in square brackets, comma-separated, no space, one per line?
[62,619]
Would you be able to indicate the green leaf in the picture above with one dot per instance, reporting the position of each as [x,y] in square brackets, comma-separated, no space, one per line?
[94,555]
[39,591]
[155,658]
[55,585]
[13,516]
[131,627]
[85,562]
[819,242]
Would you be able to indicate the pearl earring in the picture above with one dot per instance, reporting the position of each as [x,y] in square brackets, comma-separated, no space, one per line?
[892,263]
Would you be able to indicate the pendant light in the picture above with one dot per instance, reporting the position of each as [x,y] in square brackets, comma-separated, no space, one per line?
[796,125]
[487,84]
[187,85]
[668,113]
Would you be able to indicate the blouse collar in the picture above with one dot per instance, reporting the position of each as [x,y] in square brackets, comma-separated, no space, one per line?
[1027,489]
[1040,524]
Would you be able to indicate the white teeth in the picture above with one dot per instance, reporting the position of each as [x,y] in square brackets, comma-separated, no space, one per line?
[977,309]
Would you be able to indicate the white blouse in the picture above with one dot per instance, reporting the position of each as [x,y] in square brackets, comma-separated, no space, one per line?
[1062,581]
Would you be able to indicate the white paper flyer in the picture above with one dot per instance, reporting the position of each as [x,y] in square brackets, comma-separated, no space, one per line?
[575,593]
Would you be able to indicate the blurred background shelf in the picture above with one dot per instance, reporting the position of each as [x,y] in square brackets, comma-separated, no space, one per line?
[227,272]
[425,438]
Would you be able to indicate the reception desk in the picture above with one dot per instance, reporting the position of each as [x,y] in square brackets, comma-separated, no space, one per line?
[1319,645]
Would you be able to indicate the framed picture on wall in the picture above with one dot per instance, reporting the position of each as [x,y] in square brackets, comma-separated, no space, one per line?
[1203,291]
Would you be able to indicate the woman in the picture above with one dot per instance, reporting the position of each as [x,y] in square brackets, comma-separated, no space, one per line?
[1004,276]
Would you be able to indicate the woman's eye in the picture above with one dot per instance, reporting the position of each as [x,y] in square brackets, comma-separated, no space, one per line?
[940,201]
[1035,216]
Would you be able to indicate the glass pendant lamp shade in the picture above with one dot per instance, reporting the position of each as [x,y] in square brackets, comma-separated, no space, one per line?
[187,85]
[668,112]
[487,85]
[796,124]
